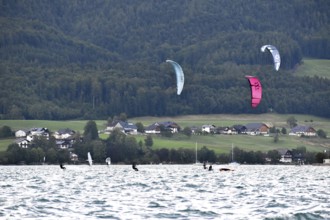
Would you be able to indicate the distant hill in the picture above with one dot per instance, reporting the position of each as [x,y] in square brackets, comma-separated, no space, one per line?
[95,59]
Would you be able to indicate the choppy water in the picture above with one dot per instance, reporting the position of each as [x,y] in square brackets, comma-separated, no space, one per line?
[164,192]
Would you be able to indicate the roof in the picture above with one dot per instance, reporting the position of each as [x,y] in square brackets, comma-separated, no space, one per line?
[66,131]
[166,124]
[301,128]
[253,126]
[127,125]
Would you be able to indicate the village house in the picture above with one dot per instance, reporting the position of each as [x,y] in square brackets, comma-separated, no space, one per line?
[209,128]
[241,129]
[300,130]
[22,142]
[64,144]
[155,128]
[62,134]
[286,155]
[125,127]
[21,133]
[39,132]
[227,130]
[257,129]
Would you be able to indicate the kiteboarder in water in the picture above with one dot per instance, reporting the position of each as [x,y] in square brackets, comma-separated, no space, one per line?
[204,165]
[134,167]
[62,167]
[210,168]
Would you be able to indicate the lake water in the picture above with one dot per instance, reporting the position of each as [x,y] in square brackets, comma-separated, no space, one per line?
[164,192]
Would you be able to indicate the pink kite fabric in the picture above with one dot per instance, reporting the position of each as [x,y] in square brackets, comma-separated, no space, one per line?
[256,90]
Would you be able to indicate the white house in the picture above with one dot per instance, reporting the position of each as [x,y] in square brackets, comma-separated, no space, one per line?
[208,128]
[126,127]
[64,134]
[21,133]
[303,130]
[155,128]
[22,142]
[286,155]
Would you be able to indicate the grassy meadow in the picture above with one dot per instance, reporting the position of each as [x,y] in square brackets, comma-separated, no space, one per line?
[218,143]
[314,67]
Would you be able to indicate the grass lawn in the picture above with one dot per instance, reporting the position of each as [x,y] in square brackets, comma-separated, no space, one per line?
[312,67]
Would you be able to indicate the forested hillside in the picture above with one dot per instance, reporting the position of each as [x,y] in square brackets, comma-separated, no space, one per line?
[95,59]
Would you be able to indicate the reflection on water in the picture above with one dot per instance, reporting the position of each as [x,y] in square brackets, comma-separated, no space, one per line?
[164,192]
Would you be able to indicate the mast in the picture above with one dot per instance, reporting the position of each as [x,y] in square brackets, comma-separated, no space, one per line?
[196,151]
[232,152]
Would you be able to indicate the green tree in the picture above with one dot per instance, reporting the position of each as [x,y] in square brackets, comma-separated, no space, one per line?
[51,156]
[5,131]
[90,131]
[14,154]
[276,138]
[321,133]
[274,156]
[291,121]
[148,141]
[99,153]
[140,127]
[187,131]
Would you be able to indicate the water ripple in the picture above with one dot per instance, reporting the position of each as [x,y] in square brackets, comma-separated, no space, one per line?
[164,192]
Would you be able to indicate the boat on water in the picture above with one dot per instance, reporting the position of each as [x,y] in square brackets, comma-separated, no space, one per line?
[233,162]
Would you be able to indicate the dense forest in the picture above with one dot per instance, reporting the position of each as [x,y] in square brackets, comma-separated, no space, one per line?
[96,59]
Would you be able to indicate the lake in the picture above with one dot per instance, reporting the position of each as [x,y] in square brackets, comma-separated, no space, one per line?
[165,192]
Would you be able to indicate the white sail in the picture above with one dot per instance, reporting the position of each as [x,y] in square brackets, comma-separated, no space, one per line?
[108,161]
[90,161]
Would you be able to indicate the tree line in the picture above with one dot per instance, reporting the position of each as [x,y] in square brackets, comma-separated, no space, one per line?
[61,64]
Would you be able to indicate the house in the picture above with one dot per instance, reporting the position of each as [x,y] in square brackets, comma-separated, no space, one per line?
[241,129]
[73,157]
[208,128]
[124,126]
[256,129]
[21,133]
[22,142]
[286,155]
[195,130]
[39,132]
[155,128]
[64,144]
[64,134]
[227,130]
[300,130]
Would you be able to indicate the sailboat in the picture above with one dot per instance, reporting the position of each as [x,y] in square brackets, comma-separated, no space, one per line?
[233,163]
[89,159]
[108,161]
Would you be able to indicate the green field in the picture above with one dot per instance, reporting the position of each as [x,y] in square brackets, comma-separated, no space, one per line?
[314,67]
[218,143]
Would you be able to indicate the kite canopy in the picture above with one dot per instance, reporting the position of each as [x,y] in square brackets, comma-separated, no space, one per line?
[256,90]
[179,75]
[275,54]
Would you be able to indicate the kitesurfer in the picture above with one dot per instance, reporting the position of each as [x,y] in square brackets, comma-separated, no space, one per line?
[62,167]
[134,167]
[204,165]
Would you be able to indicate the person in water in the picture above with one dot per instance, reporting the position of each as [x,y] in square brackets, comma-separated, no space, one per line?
[210,168]
[204,165]
[134,167]
[62,167]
